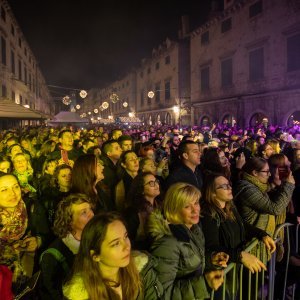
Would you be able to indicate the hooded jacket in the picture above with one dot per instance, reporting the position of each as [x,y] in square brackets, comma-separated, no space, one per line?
[181,256]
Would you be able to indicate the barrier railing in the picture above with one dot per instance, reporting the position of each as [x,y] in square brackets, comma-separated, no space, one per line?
[255,283]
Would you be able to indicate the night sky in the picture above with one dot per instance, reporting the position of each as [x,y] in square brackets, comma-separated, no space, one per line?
[85,44]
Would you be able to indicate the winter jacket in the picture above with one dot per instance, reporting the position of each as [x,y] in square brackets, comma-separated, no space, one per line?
[181,259]
[152,288]
[255,207]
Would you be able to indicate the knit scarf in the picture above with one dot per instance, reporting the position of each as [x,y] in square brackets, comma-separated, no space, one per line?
[263,187]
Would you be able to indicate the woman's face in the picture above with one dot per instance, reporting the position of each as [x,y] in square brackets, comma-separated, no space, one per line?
[81,214]
[131,163]
[190,213]
[4,166]
[223,159]
[25,144]
[151,186]
[64,178]
[10,192]
[15,150]
[20,163]
[223,190]
[264,174]
[149,166]
[115,249]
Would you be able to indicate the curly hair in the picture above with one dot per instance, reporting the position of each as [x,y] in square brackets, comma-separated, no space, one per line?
[64,214]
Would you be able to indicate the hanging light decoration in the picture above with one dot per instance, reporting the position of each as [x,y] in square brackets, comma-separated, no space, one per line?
[114,98]
[150,94]
[77,106]
[95,110]
[125,104]
[84,115]
[73,109]
[89,113]
[66,100]
[83,94]
[105,105]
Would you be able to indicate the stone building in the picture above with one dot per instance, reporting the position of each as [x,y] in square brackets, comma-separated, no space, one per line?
[245,64]
[21,79]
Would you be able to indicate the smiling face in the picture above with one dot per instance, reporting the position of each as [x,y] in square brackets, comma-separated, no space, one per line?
[190,213]
[115,248]
[10,192]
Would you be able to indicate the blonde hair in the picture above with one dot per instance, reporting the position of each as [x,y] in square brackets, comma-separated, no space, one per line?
[176,198]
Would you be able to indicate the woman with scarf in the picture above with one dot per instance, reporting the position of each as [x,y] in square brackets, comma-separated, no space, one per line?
[23,229]
[255,204]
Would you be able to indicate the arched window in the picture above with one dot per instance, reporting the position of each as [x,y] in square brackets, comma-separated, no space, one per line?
[257,119]
[228,120]
[294,118]
[168,119]
[205,121]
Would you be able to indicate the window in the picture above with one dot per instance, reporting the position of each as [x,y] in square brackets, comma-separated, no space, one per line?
[29,76]
[25,51]
[167,90]
[3,50]
[142,97]
[3,14]
[255,9]
[256,64]
[205,38]
[12,61]
[157,66]
[205,79]
[157,93]
[293,50]
[25,74]
[20,43]
[167,60]
[13,96]
[12,29]
[149,71]
[4,91]
[20,69]
[226,72]
[226,25]
[21,100]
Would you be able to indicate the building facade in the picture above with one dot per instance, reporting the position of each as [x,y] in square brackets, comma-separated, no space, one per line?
[21,80]
[241,66]
[246,64]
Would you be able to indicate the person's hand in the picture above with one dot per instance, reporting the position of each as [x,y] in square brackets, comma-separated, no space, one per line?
[252,263]
[220,259]
[214,278]
[276,179]
[29,244]
[162,163]
[240,161]
[290,178]
[270,243]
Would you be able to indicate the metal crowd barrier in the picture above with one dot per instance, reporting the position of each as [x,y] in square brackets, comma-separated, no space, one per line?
[259,290]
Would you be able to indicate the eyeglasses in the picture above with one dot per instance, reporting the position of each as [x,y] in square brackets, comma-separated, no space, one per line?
[152,183]
[225,186]
[267,172]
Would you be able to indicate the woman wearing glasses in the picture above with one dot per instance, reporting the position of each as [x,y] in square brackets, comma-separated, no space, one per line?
[143,198]
[256,206]
[223,227]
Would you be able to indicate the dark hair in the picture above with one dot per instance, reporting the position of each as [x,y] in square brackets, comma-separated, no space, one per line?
[107,146]
[84,175]
[254,164]
[183,147]
[54,179]
[210,162]
[123,138]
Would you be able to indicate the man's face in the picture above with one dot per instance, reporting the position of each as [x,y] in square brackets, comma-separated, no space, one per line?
[192,154]
[67,140]
[115,151]
[126,145]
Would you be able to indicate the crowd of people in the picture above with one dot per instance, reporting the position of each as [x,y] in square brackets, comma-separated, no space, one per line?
[142,213]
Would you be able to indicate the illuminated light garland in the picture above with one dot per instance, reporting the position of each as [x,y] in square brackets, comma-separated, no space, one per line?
[83,94]
[114,98]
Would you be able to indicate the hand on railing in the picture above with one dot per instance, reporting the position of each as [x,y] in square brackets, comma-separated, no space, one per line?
[251,262]
[214,278]
[220,259]
[270,243]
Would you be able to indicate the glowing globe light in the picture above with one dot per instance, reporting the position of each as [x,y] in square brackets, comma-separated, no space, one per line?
[77,106]
[89,113]
[83,94]
[95,110]
[114,98]
[84,115]
[66,100]
[105,105]
[150,94]
[125,104]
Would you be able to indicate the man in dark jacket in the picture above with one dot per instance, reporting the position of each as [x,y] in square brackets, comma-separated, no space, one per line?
[188,170]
